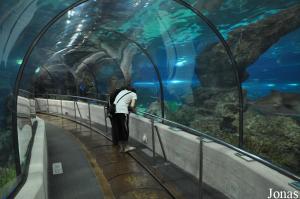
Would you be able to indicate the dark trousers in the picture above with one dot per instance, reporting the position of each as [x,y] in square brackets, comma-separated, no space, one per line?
[120,131]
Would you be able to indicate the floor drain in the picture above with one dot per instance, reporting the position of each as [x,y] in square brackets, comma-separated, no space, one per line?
[57,168]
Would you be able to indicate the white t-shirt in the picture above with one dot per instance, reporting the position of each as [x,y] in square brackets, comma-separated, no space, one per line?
[122,105]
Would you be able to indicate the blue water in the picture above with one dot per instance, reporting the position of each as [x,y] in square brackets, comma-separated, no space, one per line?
[277,69]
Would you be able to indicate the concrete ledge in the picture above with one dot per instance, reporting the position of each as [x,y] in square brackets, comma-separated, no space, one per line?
[24,105]
[222,169]
[36,185]
[81,110]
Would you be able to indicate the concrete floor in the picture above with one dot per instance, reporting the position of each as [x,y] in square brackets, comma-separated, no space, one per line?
[118,174]
[131,175]
[78,179]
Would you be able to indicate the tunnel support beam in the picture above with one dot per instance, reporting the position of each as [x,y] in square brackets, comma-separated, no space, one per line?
[162,98]
[232,60]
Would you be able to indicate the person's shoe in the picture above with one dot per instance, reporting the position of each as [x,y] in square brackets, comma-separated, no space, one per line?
[122,149]
[129,148]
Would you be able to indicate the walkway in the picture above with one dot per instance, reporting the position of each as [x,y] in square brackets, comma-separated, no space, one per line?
[77,179]
[118,174]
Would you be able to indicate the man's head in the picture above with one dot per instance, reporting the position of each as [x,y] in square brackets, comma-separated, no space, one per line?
[130,88]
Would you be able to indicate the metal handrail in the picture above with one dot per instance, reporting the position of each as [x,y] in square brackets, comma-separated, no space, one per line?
[78,109]
[25,91]
[200,134]
[216,140]
[160,142]
[38,105]
[72,96]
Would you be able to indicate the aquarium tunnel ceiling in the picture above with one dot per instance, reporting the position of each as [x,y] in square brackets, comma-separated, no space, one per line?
[102,34]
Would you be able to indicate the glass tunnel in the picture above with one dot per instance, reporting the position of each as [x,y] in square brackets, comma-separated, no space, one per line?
[225,72]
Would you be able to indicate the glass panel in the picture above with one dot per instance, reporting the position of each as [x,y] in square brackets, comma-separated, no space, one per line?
[145,80]
[266,47]
[7,162]
[265,44]
[200,87]
[93,54]
[60,57]
[99,59]
[200,90]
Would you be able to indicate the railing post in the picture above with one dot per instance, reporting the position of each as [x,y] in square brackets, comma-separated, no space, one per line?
[48,110]
[61,111]
[200,168]
[80,126]
[75,112]
[161,144]
[90,119]
[105,119]
[153,139]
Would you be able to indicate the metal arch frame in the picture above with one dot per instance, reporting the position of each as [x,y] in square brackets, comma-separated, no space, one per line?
[14,137]
[233,62]
[90,71]
[228,51]
[181,2]
[93,74]
[25,61]
[174,46]
[144,51]
[148,56]
[17,86]
[14,25]
[50,49]
[79,2]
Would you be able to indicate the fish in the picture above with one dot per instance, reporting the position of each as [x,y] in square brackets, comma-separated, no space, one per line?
[279,103]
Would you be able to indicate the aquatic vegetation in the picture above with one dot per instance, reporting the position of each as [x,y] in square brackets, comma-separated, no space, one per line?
[6,149]
[6,175]
[271,136]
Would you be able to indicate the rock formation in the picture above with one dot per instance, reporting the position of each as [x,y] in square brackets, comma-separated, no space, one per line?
[279,103]
[247,43]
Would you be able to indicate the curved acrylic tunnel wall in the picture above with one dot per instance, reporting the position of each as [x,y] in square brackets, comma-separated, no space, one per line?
[264,39]
[177,62]
[185,63]
[20,22]
[200,83]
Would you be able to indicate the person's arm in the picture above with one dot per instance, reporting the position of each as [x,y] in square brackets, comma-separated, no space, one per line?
[132,105]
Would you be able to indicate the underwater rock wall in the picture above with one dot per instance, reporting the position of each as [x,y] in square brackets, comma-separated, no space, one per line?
[275,136]
[272,124]
[247,44]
